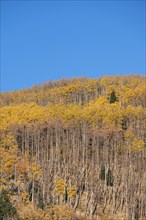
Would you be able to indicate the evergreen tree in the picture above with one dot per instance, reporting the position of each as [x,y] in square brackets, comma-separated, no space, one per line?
[113,97]
[7,210]
[41,204]
[109,178]
[102,173]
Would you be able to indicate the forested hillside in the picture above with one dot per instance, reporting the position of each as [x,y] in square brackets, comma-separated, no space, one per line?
[74,149]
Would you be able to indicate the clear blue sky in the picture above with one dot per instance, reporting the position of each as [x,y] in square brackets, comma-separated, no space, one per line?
[50,40]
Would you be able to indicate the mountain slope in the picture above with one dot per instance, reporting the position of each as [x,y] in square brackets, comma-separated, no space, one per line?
[76,146]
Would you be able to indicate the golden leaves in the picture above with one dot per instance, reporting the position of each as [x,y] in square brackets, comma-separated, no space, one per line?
[60,185]
[71,191]
[34,171]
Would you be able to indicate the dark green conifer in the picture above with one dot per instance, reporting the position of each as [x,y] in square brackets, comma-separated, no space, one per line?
[102,173]
[113,97]
[7,210]
[109,178]
[41,204]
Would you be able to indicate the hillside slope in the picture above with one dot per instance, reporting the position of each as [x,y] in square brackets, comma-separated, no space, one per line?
[75,146]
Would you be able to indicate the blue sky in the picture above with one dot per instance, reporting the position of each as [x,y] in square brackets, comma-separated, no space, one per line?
[50,40]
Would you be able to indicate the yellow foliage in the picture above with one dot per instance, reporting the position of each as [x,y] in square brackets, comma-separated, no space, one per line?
[34,170]
[137,145]
[25,197]
[2,180]
[78,102]
[60,185]
[7,140]
[129,135]
[102,113]
[71,191]
[63,212]
[31,212]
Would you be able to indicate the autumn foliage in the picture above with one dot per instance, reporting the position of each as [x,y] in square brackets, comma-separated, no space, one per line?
[75,146]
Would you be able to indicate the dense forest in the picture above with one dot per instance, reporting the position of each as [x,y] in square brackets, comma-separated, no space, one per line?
[74,149]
